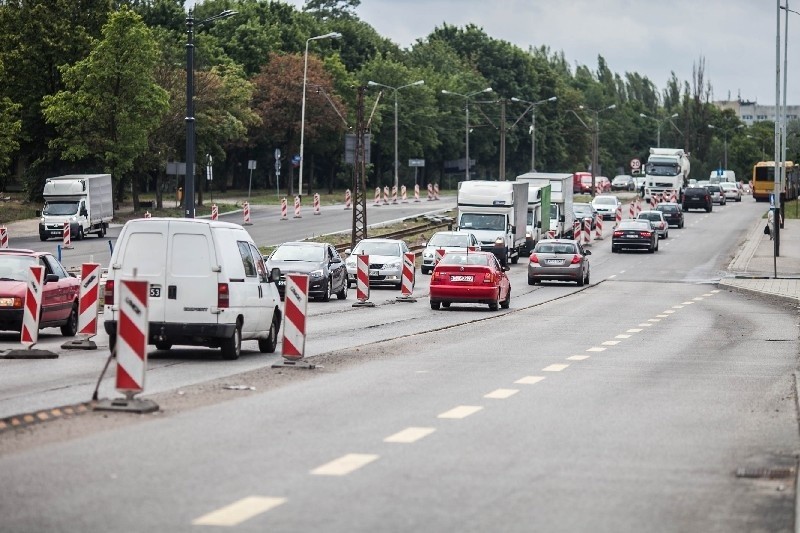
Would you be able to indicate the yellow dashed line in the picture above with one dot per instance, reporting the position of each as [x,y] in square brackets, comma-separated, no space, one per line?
[42,416]
[409,435]
[501,394]
[237,512]
[462,411]
[554,368]
[530,380]
[578,357]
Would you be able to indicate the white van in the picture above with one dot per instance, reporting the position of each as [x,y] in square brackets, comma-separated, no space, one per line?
[209,285]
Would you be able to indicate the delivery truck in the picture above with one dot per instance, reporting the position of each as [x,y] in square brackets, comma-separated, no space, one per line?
[560,210]
[85,201]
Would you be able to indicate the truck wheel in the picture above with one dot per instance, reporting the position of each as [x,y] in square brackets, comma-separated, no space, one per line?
[102,232]
[79,236]
[163,346]
[515,259]
[232,346]
[42,237]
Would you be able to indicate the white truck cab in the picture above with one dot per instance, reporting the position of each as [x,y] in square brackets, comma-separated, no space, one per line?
[209,285]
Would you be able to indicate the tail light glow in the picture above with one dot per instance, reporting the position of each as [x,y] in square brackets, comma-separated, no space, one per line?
[223,295]
[534,258]
[618,234]
[488,277]
[575,259]
[108,298]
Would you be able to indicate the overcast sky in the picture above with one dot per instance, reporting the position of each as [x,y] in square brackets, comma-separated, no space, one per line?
[651,37]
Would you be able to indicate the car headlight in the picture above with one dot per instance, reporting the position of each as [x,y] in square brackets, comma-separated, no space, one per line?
[528,235]
[394,263]
[350,263]
[73,218]
[315,274]
[427,255]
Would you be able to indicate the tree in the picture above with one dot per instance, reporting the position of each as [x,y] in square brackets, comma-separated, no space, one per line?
[10,127]
[332,9]
[111,102]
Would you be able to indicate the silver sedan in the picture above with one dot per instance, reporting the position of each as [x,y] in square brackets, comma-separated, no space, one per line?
[559,260]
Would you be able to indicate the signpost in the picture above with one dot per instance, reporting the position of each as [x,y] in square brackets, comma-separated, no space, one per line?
[416,163]
[251,164]
[635,164]
[277,171]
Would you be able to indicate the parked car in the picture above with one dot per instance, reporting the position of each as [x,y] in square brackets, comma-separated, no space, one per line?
[603,183]
[606,205]
[327,274]
[475,277]
[560,260]
[697,198]
[717,195]
[623,182]
[634,234]
[672,213]
[731,191]
[582,211]
[657,220]
[449,241]
[385,261]
[59,293]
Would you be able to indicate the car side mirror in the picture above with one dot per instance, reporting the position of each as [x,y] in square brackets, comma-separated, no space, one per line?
[587,252]
[561,218]
[506,268]
[51,277]
[275,274]
[539,224]
[84,212]
[348,251]
[513,228]
[335,260]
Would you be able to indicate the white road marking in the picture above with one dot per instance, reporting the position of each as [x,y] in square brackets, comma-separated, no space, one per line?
[621,336]
[554,368]
[596,349]
[610,343]
[677,307]
[687,303]
[654,320]
[409,435]
[344,464]
[578,357]
[662,316]
[422,371]
[668,311]
[501,394]
[708,294]
[609,277]
[644,324]
[698,299]
[715,291]
[237,512]
[634,330]
[529,380]
[462,411]
[621,271]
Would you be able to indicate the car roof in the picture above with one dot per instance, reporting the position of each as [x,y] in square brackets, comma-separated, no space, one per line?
[303,243]
[632,222]
[667,204]
[377,239]
[454,232]
[22,251]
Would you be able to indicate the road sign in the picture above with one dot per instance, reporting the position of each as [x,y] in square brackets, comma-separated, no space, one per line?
[296,160]
[251,165]
[277,153]
[278,165]
[416,162]
[635,164]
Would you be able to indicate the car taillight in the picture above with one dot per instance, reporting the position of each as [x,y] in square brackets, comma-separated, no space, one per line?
[108,299]
[488,277]
[618,234]
[647,234]
[576,259]
[534,258]
[223,295]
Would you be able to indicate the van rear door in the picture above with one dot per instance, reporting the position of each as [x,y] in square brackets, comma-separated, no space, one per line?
[189,295]
[142,253]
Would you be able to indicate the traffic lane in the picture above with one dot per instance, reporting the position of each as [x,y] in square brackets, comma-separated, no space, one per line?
[612,442]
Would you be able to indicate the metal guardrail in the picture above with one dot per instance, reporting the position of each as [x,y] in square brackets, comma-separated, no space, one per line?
[436,223]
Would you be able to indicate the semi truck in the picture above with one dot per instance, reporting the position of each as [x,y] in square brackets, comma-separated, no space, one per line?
[666,172]
[560,208]
[85,201]
[495,212]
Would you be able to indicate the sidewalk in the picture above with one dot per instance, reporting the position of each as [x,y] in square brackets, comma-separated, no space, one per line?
[754,267]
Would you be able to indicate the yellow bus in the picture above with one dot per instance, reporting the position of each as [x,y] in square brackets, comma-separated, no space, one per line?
[764,180]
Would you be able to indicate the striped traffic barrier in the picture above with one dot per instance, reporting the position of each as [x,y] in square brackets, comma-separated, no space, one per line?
[316,203]
[3,237]
[66,236]
[632,210]
[284,209]
[407,285]
[435,191]
[430,192]
[598,225]
[551,234]
[438,254]
[362,282]
[297,207]
[131,349]
[403,194]
[377,196]
[617,216]
[295,312]
[32,307]
[347,199]
[147,214]
[576,230]
[246,213]
[214,212]
[385,195]
[394,194]
[587,230]
[87,308]
[416,192]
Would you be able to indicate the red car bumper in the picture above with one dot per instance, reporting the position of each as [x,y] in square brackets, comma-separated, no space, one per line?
[467,294]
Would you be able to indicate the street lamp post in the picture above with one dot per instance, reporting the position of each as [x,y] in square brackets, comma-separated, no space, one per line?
[331,35]
[395,89]
[659,122]
[725,132]
[532,107]
[595,138]
[466,107]
[188,186]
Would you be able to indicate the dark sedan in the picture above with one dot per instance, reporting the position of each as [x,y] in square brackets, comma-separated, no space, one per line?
[634,234]
[583,211]
[672,213]
[327,274]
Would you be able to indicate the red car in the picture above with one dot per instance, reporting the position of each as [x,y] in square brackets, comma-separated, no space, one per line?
[470,277]
[59,294]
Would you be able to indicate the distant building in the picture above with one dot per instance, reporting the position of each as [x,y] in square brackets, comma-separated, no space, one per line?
[750,112]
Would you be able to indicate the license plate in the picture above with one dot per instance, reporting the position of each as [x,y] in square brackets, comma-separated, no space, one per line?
[281,282]
[631,236]
[460,278]
[553,262]
[155,292]
[374,272]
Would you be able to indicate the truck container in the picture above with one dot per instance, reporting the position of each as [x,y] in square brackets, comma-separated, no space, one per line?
[561,192]
[666,172]
[83,200]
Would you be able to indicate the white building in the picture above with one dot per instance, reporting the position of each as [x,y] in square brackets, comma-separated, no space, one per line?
[750,112]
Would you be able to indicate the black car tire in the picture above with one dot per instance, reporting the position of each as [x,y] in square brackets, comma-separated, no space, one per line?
[232,347]
[326,297]
[102,232]
[435,306]
[588,273]
[446,305]
[269,344]
[42,237]
[531,281]
[614,249]
[709,209]
[163,345]
[80,235]
[680,226]
[494,306]
[580,281]
[342,294]
[70,328]
[505,304]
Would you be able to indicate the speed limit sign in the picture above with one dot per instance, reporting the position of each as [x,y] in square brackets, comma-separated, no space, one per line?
[636,164]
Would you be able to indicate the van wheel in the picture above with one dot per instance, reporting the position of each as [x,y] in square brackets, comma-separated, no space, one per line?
[71,327]
[80,233]
[232,347]
[269,344]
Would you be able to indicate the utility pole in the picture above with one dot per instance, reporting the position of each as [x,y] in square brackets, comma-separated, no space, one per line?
[359,176]
[502,139]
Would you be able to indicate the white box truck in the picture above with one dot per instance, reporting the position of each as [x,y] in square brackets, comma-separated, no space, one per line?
[666,172]
[495,212]
[84,200]
[561,189]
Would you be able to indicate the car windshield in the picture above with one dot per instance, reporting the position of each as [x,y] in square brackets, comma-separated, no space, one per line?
[663,169]
[650,216]
[443,239]
[668,208]
[15,267]
[633,224]
[582,209]
[480,221]
[295,252]
[377,248]
[465,259]
[605,200]
[556,248]
[60,208]
[620,179]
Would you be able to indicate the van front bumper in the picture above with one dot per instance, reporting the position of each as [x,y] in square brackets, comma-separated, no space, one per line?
[174,333]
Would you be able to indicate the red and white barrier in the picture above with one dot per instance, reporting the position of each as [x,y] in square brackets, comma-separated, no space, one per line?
[632,210]
[284,209]
[316,203]
[347,199]
[3,237]
[297,207]
[214,212]
[131,346]
[674,197]
[598,225]
[473,249]
[377,196]
[617,216]
[147,214]
[587,230]
[403,194]
[435,191]
[87,299]
[551,234]
[66,236]
[576,230]
[407,286]
[638,208]
[394,194]
[430,192]
[362,278]
[416,192]
[295,311]
[246,212]
[438,255]
[32,306]
[385,195]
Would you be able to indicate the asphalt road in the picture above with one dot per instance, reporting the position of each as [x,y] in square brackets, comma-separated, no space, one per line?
[626,406]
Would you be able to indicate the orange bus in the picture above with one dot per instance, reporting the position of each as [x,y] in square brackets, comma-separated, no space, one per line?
[764,181]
